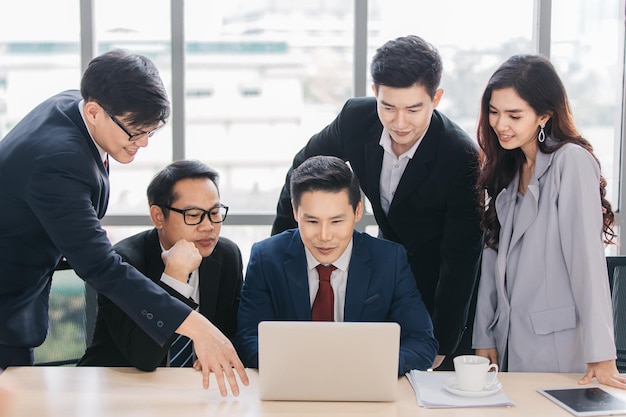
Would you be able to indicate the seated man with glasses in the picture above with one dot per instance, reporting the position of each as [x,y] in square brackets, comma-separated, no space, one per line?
[185,255]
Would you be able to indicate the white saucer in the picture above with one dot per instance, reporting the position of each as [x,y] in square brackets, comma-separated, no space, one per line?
[452,386]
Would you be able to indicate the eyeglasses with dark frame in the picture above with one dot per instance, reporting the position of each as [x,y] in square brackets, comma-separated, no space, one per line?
[194,216]
[136,136]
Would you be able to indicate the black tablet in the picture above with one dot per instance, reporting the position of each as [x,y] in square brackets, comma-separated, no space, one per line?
[586,401]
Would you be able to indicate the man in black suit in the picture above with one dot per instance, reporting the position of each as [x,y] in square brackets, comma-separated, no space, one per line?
[418,169]
[185,255]
[54,190]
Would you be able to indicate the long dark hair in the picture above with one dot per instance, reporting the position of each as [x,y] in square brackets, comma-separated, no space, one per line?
[535,80]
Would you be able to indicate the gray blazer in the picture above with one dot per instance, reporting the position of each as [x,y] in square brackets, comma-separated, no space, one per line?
[553,312]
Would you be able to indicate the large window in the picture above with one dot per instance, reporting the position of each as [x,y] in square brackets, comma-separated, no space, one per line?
[133,31]
[260,77]
[39,56]
[585,49]
[473,38]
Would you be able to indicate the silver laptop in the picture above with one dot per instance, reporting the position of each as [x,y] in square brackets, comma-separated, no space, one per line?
[328,361]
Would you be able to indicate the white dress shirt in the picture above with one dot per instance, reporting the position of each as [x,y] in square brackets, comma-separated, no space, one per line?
[189,290]
[392,169]
[102,152]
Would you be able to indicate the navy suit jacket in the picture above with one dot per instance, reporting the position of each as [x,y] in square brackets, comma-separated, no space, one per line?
[118,341]
[380,287]
[54,190]
[434,213]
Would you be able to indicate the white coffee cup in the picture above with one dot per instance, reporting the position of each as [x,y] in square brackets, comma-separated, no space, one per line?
[471,372]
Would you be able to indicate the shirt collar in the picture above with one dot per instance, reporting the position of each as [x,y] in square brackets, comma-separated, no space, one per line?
[102,152]
[341,263]
[385,143]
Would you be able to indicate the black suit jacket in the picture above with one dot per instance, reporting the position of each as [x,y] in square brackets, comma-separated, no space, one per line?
[118,341]
[54,189]
[434,212]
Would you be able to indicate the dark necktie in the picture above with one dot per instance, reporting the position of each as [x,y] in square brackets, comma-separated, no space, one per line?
[323,306]
[181,352]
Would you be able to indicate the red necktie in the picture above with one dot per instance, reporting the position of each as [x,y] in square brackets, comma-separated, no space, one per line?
[323,306]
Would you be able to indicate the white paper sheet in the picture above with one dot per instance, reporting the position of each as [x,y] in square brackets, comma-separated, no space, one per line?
[430,393]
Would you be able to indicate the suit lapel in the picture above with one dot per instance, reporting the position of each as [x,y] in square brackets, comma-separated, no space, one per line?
[359,275]
[419,166]
[512,229]
[530,204]
[154,263]
[103,201]
[373,161]
[505,205]
[297,279]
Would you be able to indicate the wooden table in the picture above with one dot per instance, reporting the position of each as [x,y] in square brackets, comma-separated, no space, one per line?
[120,392]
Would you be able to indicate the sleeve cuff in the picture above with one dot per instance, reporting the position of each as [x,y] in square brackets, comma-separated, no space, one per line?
[183,289]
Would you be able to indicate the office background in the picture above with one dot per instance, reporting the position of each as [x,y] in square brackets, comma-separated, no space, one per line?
[251,80]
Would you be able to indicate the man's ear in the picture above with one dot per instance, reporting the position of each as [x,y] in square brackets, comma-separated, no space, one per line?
[358,213]
[91,111]
[157,217]
[437,97]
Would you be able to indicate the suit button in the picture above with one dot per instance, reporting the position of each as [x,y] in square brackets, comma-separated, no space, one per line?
[149,316]
[144,312]
[159,323]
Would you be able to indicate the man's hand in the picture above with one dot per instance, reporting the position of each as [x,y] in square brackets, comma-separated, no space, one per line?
[215,353]
[181,259]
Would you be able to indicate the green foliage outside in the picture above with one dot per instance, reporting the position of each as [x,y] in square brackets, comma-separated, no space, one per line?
[66,331]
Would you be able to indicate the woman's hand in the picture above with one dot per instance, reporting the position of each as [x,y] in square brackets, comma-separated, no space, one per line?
[491,354]
[606,373]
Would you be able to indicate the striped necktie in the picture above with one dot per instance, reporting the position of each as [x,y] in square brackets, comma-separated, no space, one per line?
[181,352]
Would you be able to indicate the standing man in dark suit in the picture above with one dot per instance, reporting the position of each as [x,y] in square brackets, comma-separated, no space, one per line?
[55,189]
[185,255]
[371,280]
[418,169]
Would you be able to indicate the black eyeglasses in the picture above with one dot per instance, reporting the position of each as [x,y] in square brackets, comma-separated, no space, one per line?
[136,136]
[194,216]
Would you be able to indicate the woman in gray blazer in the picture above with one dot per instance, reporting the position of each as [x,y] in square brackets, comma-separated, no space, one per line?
[543,298]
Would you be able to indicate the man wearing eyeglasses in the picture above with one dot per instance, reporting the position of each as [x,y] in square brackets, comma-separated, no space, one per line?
[185,255]
[54,189]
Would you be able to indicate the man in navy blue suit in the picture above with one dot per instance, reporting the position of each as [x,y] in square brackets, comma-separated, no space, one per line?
[55,189]
[418,169]
[371,281]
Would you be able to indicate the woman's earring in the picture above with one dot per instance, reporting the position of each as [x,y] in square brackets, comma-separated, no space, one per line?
[542,134]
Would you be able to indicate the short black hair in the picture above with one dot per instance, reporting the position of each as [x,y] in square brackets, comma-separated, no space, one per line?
[161,189]
[324,173]
[406,61]
[124,83]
